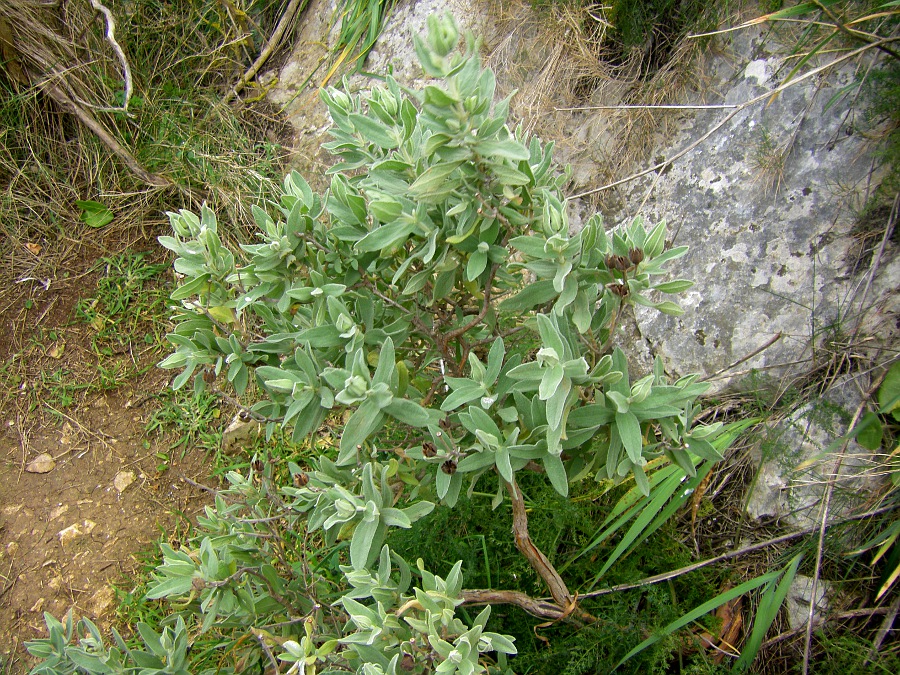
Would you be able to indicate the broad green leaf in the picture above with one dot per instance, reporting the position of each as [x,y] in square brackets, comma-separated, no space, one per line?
[676,286]
[503,465]
[434,178]
[556,406]
[386,236]
[550,381]
[407,412]
[94,214]
[362,423]
[461,396]
[889,393]
[630,432]
[668,307]
[533,295]
[476,265]
[870,431]
[502,149]
[373,131]
[365,541]
[176,586]
[556,472]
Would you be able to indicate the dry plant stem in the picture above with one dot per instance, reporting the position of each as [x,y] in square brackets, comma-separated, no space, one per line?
[539,608]
[111,38]
[532,553]
[853,34]
[265,647]
[713,106]
[287,19]
[744,359]
[666,576]
[884,629]
[823,522]
[876,260]
[850,614]
[733,113]
[106,138]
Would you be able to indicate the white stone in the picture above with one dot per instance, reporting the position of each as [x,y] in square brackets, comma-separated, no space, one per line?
[122,480]
[798,600]
[43,463]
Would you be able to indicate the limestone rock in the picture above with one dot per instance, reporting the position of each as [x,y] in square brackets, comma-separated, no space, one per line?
[43,463]
[767,205]
[798,600]
[239,434]
[74,531]
[101,601]
[797,459]
[122,480]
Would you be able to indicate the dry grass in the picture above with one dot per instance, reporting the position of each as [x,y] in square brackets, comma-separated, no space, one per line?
[560,58]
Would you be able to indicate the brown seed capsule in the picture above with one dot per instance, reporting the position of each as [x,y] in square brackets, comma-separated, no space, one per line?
[428,449]
[619,289]
[449,467]
[244,416]
[258,466]
[198,584]
[300,479]
[209,375]
[445,424]
[617,262]
[636,255]
[407,663]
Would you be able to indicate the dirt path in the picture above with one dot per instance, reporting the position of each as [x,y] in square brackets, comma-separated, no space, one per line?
[68,534]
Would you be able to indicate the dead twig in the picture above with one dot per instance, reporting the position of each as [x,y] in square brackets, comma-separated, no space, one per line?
[666,576]
[536,607]
[744,359]
[823,521]
[111,38]
[287,19]
[91,122]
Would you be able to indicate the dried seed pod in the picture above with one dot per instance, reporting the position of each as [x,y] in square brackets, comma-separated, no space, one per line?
[209,375]
[300,479]
[429,449]
[258,466]
[619,289]
[449,467]
[444,424]
[617,262]
[407,663]
[636,255]
[244,416]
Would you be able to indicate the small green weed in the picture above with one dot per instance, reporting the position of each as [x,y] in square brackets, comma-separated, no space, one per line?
[129,305]
[195,419]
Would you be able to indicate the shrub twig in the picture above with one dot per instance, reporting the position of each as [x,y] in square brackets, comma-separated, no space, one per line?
[287,19]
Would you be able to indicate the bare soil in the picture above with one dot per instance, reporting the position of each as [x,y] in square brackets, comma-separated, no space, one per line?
[68,535]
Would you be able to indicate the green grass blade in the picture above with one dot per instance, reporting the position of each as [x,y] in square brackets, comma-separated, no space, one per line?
[659,497]
[705,608]
[631,503]
[772,598]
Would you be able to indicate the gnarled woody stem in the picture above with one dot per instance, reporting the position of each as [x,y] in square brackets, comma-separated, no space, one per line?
[558,590]
[534,606]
